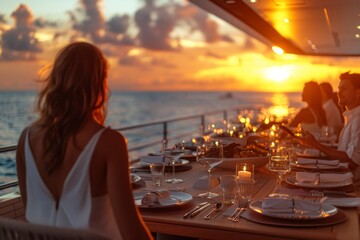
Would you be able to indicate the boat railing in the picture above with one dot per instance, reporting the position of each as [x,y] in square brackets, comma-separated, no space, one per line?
[165,132]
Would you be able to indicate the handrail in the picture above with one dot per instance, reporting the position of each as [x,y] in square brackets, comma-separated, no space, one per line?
[149,144]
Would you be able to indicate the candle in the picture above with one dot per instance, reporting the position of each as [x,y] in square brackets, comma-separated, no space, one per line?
[244,174]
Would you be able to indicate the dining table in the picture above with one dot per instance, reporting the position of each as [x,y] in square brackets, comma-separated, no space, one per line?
[170,220]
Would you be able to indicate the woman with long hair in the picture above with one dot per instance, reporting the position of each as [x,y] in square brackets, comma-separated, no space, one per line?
[312,117]
[73,172]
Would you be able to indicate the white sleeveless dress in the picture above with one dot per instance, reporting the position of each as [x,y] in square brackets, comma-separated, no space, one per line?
[76,207]
[313,128]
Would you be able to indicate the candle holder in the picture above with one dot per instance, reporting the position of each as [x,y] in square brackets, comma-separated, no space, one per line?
[245,171]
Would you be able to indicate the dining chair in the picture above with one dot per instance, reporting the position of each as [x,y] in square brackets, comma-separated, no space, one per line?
[19,230]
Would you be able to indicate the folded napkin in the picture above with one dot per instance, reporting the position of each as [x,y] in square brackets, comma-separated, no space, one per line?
[160,196]
[279,205]
[305,161]
[312,151]
[344,202]
[324,177]
[155,159]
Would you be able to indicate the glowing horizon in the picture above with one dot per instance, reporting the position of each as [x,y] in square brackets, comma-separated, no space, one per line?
[186,56]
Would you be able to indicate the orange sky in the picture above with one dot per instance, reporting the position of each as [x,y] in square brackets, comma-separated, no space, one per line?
[194,63]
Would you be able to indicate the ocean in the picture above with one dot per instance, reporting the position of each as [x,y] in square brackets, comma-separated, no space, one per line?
[132,108]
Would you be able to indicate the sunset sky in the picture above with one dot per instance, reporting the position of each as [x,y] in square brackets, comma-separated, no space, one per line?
[151,45]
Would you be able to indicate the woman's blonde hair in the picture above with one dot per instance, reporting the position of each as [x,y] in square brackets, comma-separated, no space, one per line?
[76,90]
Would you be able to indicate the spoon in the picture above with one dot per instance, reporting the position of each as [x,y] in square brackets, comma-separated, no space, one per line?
[216,207]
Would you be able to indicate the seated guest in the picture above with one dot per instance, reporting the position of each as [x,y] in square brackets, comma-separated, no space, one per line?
[334,117]
[74,172]
[313,117]
[349,140]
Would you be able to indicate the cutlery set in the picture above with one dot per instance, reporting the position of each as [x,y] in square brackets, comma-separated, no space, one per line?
[235,216]
[193,212]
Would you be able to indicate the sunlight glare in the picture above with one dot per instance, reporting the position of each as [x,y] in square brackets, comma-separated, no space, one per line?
[277,74]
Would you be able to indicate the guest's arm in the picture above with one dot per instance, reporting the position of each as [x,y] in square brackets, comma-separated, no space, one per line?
[332,153]
[128,218]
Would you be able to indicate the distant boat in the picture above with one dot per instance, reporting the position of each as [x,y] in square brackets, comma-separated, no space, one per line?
[227,95]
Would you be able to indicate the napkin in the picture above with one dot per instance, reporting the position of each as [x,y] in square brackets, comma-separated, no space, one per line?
[324,177]
[344,202]
[160,196]
[154,159]
[305,161]
[312,151]
[279,205]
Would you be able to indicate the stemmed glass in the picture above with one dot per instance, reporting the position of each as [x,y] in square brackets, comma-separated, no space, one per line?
[173,159]
[280,163]
[209,156]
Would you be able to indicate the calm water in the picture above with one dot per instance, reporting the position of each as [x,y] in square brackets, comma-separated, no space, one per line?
[131,108]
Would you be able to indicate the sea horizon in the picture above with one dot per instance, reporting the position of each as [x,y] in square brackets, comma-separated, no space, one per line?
[129,108]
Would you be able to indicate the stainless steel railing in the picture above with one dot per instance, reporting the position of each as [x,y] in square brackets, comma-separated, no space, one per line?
[164,135]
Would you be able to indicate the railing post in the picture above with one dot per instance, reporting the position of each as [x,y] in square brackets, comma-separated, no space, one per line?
[225,116]
[202,126]
[165,131]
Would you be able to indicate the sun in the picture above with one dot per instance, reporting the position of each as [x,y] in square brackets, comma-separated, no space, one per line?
[277,74]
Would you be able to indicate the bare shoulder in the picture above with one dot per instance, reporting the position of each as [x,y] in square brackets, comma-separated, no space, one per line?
[111,142]
[110,136]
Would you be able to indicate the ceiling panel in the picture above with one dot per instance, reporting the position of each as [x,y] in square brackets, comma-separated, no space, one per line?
[313,27]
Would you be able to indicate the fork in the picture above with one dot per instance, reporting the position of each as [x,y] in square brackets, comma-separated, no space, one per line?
[238,215]
[234,214]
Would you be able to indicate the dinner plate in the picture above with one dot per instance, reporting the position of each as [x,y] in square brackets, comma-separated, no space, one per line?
[327,210]
[134,178]
[317,166]
[292,181]
[180,197]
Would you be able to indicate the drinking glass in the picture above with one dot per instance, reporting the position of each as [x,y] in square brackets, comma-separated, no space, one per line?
[173,160]
[209,155]
[279,163]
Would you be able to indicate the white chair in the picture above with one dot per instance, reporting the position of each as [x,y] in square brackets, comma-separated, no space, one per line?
[19,230]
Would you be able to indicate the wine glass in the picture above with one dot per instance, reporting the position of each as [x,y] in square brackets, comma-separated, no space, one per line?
[280,163]
[173,159]
[209,155]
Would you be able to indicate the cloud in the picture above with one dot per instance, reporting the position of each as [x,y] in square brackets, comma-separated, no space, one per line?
[2,19]
[42,23]
[93,24]
[214,55]
[155,25]
[19,42]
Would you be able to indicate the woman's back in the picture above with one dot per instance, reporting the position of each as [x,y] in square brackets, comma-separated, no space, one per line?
[68,198]
[71,170]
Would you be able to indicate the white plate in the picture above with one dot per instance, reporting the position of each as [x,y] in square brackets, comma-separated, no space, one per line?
[181,197]
[319,166]
[292,181]
[230,163]
[327,210]
[134,178]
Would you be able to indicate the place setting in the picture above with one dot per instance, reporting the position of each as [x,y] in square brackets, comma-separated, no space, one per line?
[319,164]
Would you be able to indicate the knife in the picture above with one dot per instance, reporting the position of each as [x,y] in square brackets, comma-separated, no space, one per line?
[199,210]
[194,209]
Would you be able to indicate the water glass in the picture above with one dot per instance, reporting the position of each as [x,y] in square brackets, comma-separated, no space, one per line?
[245,190]
[229,188]
[157,173]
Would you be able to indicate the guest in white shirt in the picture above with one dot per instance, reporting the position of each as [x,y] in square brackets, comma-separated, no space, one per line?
[334,118]
[349,140]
